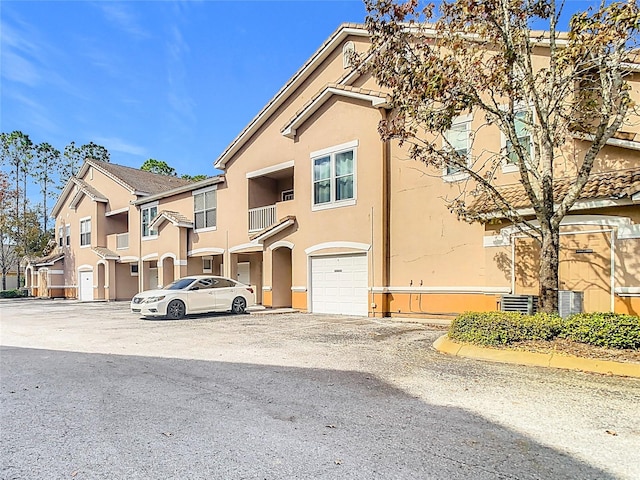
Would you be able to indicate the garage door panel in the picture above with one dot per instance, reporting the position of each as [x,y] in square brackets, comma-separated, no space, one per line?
[339,284]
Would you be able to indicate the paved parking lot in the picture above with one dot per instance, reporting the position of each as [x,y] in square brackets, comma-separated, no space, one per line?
[91,391]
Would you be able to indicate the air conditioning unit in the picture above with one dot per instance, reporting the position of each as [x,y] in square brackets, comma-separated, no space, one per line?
[569,302]
[527,304]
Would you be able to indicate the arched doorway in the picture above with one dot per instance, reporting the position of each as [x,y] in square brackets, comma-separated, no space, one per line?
[167,271]
[281,277]
[101,281]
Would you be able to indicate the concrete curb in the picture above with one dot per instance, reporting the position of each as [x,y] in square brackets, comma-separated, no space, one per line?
[554,360]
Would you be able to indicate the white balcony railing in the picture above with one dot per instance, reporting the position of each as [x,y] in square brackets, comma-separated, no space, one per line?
[260,218]
[122,241]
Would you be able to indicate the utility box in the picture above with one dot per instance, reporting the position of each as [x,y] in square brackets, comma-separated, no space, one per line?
[527,304]
[570,302]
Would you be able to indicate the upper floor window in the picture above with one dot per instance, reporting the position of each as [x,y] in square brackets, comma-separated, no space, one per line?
[149,213]
[205,209]
[458,138]
[68,234]
[523,136]
[334,176]
[61,235]
[85,232]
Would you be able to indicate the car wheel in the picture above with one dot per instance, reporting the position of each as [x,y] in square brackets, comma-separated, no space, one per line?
[239,305]
[175,310]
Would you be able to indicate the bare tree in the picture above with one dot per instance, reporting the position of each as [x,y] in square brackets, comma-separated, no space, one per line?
[482,59]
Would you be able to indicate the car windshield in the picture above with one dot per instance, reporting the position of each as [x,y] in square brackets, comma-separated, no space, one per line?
[180,284]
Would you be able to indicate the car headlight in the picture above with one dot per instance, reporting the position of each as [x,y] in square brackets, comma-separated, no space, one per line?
[154,299]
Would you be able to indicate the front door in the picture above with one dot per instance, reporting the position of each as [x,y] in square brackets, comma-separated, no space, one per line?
[244,276]
[86,286]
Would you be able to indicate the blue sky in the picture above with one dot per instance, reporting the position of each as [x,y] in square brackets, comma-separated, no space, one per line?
[175,81]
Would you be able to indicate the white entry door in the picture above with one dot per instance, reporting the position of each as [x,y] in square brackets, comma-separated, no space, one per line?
[244,276]
[86,286]
[339,284]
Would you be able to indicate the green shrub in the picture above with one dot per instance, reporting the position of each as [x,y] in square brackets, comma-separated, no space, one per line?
[609,330]
[503,328]
[11,293]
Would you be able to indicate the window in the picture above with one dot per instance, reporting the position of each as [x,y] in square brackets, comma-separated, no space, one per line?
[203,284]
[223,283]
[148,215]
[459,137]
[334,177]
[287,195]
[85,232]
[204,209]
[133,269]
[207,264]
[523,134]
[68,234]
[61,235]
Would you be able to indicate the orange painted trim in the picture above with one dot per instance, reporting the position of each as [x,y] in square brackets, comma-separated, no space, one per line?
[299,300]
[267,298]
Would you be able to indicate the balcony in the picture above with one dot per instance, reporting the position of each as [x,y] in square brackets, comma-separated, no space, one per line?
[118,241]
[261,218]
[122,241]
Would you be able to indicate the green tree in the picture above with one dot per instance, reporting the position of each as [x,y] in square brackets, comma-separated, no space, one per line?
[9,257]
[158,166]
[73,157]
[481,57]
[194,178]
[47,162]
[17,151]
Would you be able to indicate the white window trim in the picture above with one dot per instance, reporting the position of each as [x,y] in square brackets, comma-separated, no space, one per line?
[205,229]
[460,176]
[331,152]
[506,166]
[131,272]
[282,194]
[144,207]
[84,219]
[67,237]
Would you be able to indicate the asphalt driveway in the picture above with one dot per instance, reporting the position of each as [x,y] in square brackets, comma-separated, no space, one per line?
[90,391]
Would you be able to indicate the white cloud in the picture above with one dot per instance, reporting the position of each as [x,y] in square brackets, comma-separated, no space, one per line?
[123,18]
[115,144]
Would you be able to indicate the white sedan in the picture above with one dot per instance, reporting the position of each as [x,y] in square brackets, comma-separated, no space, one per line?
[194,294]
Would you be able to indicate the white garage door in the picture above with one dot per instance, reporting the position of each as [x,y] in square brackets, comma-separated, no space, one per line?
[339,284]
[86,286]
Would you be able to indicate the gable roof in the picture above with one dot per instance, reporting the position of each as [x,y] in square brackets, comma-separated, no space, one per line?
[345,30]
[611,185]
[175,218]
[85,189]
[377,99]
[138,182]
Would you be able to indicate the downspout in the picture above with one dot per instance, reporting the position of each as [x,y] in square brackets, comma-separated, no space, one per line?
[140,262]
[386,220]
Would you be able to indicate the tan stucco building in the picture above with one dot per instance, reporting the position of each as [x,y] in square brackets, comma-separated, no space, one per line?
[318,213]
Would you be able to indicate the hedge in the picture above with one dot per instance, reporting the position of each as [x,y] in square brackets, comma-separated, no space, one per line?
[503,328]
[603,329]
[11,293]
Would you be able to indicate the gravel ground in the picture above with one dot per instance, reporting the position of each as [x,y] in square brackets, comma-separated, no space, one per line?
[592,419]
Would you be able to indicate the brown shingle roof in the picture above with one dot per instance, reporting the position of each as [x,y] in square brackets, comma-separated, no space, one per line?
[140,180]
[605,185]
[88,190]
[174,217]
[104,252]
